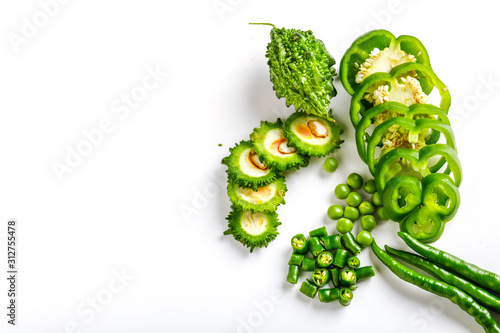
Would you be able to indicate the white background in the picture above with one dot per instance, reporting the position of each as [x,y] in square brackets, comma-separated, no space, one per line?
[104,247]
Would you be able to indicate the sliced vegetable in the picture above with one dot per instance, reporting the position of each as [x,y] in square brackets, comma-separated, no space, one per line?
[272,146]
[266,198]
[312,135]
[252,229]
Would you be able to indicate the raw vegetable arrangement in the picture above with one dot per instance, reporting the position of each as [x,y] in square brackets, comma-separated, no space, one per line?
[399,111]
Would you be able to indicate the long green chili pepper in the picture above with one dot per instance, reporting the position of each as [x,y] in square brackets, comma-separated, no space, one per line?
[480,295]
[464,301]
[467,270]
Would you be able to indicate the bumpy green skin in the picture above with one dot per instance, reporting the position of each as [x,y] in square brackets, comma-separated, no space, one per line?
[269,206]
[251,241]
[301,70]
[287,162]
[307,148]
[235,173]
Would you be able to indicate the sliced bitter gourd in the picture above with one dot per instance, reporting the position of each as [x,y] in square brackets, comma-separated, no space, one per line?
[246,168]
[312,135]
[271,145]
[265,199]
[252,229]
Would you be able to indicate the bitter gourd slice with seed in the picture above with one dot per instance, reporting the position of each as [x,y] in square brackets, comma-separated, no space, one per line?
[246,168]
[252,229]
[265,199]
[312,135]
[271,145]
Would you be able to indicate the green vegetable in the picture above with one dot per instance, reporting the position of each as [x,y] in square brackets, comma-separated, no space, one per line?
[296,259]
[379,51]
[363,273]
[342,191]
[246,168]
[331,242]
[340,258]
[325,259]
[293,274]
[376,199]
[272,146]
[308,265]
[327,295]
[320,276]
[312,135]
[330,164]
[299,244]
[315,246]
[368,222]
[301,70]
[308,288]
[319,232]
[364,238]
[355,180]
[366,208]
[265,199]
[481,296]
[252,229]
[347,278]
[353,262]
[344,225]
[351,213]
[464,301]
[349,243]
[354,199]
[335,212]
[369,186]
[471,272]
[345,296]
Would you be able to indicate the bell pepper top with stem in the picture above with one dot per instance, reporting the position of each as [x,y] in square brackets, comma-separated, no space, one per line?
[379,51]
[400,85]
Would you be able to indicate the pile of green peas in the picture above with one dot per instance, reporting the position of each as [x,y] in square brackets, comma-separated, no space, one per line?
[357,207]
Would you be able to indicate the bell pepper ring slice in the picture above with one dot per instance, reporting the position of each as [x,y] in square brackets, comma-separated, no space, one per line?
[362,49]
[423,224]
[359,104]
[412,111]
[414,128]
[441,195]
[419,161]
[401,196]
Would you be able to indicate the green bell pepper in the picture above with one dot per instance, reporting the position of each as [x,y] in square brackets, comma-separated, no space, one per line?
[412,130]
[422,208]
[389,164]
[379,50]
[401,196]
[399,85]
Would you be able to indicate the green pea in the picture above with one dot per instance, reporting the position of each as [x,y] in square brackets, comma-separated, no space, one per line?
[342,191]
[364,238]
[354,199]
[344,225]
[369,186]
[335,212]
[382,214]
[351,213]
[377,199]
[330,164]
[368,222]
[366,207]
[355,180]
